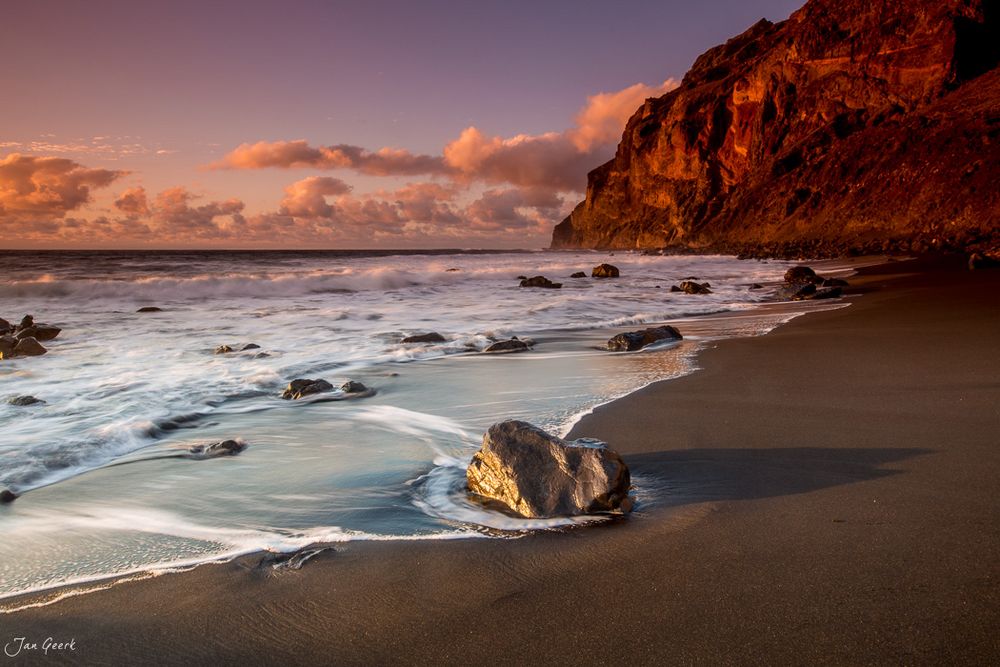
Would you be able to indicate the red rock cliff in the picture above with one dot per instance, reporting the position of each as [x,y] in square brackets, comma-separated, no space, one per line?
[853,125]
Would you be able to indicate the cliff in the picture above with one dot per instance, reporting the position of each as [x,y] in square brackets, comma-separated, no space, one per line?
[851,126]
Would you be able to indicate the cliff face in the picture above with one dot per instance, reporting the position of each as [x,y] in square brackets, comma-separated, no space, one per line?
[851,126]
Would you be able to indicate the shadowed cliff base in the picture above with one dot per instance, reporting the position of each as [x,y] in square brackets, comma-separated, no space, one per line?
[848,128]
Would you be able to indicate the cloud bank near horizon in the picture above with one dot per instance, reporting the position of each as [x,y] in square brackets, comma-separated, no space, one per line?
[482,189]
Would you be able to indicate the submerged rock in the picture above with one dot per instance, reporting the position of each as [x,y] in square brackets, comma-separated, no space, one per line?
[512,345]
[605,271]
[540,281]
[834,282]
[353,387]
[7,496]
[579,274]
[223,349]
[224,448]
[24,400]
[432,337]
[756,286]
[636,340]
[149,309]
[537,475]
[29,347]
[797,292]
[691,287]
[250,346]
[300,388]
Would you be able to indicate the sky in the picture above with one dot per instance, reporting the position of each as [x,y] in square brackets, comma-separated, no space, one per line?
[302,124]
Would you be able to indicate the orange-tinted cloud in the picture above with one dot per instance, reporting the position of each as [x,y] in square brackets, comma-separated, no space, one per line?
[34,188]
[133,202]
[298,154]
[556,160]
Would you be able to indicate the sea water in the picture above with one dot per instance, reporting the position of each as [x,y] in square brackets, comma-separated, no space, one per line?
[105,492]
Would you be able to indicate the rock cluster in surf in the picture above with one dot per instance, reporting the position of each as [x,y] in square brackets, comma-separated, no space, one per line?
[23,339]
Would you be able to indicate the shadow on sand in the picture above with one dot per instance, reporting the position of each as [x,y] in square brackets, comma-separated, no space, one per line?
[679,477]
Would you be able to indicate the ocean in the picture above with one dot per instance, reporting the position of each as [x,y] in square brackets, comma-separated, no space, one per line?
[108,488]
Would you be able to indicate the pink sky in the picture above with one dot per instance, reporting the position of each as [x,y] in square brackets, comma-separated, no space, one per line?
[324,126]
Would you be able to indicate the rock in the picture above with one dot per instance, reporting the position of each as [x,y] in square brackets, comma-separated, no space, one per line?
[149,309]
[223,349]
[827,293]
[675,288]
[250,346]
[691,287]
[756,286]
[834,282]
[39,332]
[540,281]
[537,475]
[26,322]
[29,347]
[352,387]
[636,340]
[605,271]
[7,344]
[452,270]
[798,275]
[512,345]
[7,496]
[796,292]
[522,277]
[5,326]
[579,274]
[224,448]
[300,388]
[980,261]
[24,400]
[432,337]
[747,155]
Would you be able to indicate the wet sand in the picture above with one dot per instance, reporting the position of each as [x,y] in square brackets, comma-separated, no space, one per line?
[827,493]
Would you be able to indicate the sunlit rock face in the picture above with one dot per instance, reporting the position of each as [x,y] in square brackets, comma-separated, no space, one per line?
[849,123]
[536,475]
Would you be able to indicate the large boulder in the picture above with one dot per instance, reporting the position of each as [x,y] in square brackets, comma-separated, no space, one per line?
[505,346]
[540,281]
[26,322]
[636,340]
[5,326]
[7,496]
[432,337]
[605,271]
[29,347]
[301,387]
[537,475]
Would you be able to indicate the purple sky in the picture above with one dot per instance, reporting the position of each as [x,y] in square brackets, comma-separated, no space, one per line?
[126,118]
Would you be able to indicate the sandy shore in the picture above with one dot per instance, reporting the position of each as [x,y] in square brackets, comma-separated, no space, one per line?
[825,494]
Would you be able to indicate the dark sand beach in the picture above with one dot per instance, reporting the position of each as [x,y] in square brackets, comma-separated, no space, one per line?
[824,494]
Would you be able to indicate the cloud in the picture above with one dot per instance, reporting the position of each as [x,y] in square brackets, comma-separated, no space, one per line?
[307,198]
[133,202]
[558,161]
[175,217]
[47,187]
[298,154]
